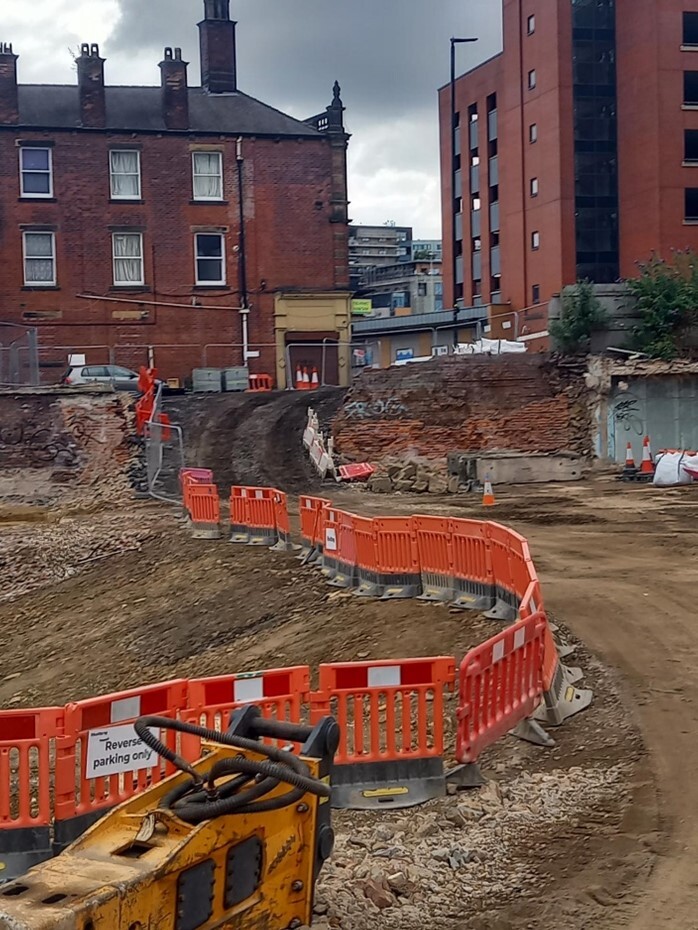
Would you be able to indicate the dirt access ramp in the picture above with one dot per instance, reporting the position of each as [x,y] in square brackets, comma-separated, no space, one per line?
[253,439]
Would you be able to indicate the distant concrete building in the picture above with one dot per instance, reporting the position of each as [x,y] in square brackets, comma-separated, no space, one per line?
[372,246]
[427,250]
[403,288]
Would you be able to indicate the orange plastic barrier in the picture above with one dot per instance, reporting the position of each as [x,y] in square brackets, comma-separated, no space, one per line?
[500,685]
[506,600]
[260,384]
[474,586]
[339,548]
[435,551]
[204,511]
[284,542]
[369,584]
[101,754]
[397,560]
[27,740]
[390,716]
[259,517]
[280,693]
[190,476]
[311,509]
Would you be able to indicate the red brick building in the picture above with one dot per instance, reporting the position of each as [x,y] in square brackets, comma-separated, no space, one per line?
[147,223]
[577,149]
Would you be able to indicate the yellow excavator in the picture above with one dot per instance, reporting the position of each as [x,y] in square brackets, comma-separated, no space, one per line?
[235,840]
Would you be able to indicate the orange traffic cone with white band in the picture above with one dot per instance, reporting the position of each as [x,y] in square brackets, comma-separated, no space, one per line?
[488,497]
[306,380]
[299,378]
[647,465]
[629,469]
[315,381]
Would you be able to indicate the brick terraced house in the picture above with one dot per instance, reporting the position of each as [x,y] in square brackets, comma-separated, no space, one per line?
[173,224]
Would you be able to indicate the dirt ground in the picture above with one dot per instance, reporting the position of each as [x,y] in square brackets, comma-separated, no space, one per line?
[616,567]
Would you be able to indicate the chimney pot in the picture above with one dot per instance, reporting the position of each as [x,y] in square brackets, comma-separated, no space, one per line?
[178,54]
[94,51]
[9,97]
[168,54]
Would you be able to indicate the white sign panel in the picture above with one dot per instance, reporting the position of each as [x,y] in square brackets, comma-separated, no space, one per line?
[331,540]
[117,749]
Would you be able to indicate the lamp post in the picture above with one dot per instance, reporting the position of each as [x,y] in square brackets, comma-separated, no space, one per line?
[454,262]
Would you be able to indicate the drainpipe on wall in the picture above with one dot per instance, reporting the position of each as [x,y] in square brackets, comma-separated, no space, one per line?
[242,256]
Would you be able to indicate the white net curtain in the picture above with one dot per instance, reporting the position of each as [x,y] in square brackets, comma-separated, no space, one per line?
[208,183]
[38,262]
[128,258]
[125,175]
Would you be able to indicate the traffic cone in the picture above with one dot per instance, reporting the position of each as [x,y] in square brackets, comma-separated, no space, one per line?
[629,468]
[315,381]
[299,378]
[306,380]
[488,497]
[647,464]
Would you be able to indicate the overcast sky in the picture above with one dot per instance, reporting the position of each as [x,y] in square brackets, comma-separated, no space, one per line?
[388,55]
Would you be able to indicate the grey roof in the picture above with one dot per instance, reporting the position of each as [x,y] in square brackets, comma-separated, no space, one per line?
[419,321]
[56,106]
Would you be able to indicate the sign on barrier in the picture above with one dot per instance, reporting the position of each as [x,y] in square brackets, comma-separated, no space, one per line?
[390,716]
[27,742]
[82,796]
[500,684]
[340,546]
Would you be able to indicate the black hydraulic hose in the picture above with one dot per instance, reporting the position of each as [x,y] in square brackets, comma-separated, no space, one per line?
[200,799]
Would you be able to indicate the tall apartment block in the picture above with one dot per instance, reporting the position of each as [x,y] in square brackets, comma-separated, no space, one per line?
[577,149]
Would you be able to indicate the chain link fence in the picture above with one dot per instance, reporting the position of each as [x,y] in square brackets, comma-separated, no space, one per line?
[19,356]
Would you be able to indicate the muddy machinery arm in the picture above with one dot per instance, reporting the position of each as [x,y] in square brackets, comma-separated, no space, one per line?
[235,840]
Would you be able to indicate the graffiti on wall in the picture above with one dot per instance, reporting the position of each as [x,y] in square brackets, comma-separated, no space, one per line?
[375,409]
[626,411]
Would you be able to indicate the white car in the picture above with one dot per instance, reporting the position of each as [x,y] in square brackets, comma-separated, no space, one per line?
[121,379]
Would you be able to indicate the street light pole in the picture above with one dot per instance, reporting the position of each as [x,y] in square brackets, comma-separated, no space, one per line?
[454,259]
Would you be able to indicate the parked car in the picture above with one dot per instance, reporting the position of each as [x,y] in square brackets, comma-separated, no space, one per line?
[121,379]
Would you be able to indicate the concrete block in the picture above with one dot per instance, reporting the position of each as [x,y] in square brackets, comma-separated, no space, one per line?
[513,468]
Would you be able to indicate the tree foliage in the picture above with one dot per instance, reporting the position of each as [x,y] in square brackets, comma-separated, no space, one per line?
[666,296]
[582,314]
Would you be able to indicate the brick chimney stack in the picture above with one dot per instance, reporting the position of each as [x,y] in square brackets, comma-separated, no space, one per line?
[175,92]
[9,101]
[93,108]
[217,44]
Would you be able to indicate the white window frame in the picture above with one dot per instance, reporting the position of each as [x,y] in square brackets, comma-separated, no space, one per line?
[25,257]
[535,240]
[22,170]
[533,133]
[532,79]
[114,196]
[114,259]
[223,281]
[194,175]
[531,24]
[535,187]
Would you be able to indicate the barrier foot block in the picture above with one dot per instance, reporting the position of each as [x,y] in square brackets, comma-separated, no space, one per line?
[501,611]
[240,539]
[532,732]
[560,706]
[385,785]
[572,674]
[366,589]
[206,532]
[435,596]
[465,776]
[565,650]
[282,546]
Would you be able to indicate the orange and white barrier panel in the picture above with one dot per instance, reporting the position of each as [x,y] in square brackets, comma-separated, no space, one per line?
[391,721]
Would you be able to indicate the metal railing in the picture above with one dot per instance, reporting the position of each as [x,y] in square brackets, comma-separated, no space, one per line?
[19,355]
[164,455]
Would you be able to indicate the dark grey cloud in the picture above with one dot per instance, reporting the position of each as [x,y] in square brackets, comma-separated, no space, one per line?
[390,56]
